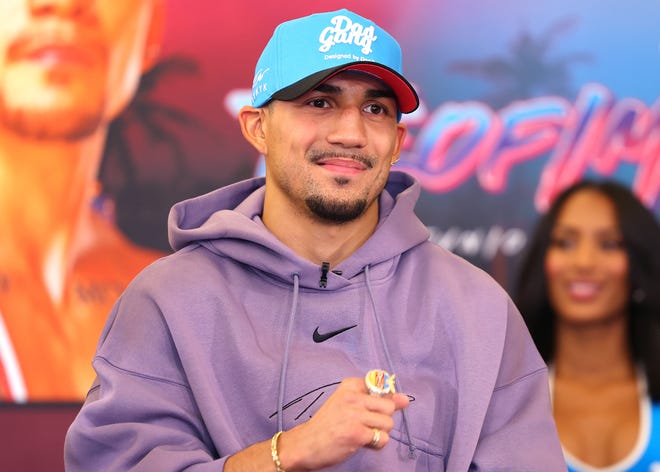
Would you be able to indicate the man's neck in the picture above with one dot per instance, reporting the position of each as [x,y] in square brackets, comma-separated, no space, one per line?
[45,192]
[319,241]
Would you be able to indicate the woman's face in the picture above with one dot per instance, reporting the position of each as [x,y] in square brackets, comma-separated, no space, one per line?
[586,264]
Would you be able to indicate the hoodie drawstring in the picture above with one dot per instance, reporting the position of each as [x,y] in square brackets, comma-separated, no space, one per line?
[287,347]
[390,365]
[285,359]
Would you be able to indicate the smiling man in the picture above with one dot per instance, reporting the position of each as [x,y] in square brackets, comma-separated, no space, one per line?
[67,68]
[252,347]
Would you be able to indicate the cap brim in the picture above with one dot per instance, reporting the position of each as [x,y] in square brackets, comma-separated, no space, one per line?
[406,95]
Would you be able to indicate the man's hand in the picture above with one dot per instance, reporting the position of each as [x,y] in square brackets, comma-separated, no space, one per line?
[345,423]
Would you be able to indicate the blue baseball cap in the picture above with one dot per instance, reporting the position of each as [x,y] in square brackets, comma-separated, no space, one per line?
[305,52]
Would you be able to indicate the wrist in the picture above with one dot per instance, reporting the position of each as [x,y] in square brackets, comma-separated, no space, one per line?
[284,455]
[274,452]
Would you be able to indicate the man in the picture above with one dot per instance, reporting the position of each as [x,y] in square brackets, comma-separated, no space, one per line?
[67,68]
[247,349]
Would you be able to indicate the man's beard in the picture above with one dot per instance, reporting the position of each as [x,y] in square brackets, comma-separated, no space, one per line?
[335,211]
[57,125]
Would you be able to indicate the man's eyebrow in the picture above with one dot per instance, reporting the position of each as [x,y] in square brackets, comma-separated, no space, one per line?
[381,93]
[384,92]
[327,88]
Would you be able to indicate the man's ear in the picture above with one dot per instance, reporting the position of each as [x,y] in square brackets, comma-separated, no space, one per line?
[252,123]
[401,131]
[154,34]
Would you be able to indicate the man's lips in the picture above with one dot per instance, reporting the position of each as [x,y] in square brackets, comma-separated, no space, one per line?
[345,165]
[59,54]
[54,49]
[342,165]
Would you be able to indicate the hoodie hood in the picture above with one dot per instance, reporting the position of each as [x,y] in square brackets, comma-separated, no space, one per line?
[228,222]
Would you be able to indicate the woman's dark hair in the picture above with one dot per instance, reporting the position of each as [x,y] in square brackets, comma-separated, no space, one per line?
[641,237]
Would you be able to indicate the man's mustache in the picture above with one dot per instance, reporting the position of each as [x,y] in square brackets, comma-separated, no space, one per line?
[317,156]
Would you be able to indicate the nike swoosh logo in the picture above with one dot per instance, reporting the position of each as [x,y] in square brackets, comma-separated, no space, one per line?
[319,338]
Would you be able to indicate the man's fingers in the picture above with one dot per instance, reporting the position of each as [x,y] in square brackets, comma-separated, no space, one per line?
[401,400]
[377,439]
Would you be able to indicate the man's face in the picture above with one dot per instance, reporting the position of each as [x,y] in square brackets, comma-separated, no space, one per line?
[328,153]
[68,66]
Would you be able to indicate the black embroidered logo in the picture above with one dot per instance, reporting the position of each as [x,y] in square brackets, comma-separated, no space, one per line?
[303,404]
[320,337]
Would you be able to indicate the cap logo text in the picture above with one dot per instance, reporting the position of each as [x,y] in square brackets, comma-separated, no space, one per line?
[257,86]
[345,31]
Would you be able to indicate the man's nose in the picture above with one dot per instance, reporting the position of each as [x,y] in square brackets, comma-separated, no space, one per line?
[70,8]
[348,128]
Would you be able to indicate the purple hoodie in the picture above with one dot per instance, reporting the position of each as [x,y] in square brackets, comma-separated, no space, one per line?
[234,337]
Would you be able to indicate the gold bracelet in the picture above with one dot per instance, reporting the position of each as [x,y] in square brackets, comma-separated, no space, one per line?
[274,454]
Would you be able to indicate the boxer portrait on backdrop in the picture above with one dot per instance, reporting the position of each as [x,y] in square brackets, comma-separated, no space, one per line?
[67,68]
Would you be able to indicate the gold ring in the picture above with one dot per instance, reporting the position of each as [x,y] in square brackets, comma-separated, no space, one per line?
[376,439]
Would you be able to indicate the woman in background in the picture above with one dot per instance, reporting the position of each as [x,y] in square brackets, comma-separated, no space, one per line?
[589,290]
